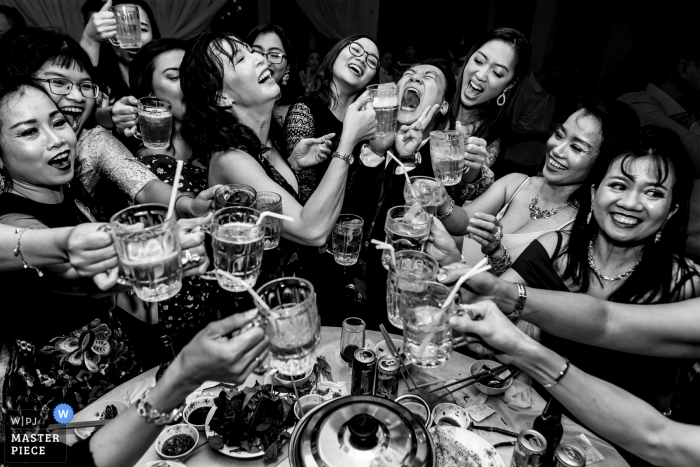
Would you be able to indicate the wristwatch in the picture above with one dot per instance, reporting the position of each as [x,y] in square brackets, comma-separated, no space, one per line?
[346,157]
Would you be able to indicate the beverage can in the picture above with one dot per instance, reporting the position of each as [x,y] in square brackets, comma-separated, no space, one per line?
[529,449]
[567,455]
[387,380]
[364,364]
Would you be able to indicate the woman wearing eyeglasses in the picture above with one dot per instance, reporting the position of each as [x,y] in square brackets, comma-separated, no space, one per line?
[344,73]
[271,41]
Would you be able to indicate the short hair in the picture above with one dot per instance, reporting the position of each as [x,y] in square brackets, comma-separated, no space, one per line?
[14,16]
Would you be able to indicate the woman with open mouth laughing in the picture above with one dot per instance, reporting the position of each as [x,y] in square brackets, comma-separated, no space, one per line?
[491,76]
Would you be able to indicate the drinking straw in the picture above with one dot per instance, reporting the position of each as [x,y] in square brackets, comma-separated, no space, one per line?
[405,172]
[173,194]
[273,214]
[386,246]
[257,298]
[301,409]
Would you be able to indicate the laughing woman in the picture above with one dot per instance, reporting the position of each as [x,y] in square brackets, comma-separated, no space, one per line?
[344,73]
[489,80]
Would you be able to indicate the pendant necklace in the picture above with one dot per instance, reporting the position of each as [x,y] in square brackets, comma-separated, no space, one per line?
[536,213]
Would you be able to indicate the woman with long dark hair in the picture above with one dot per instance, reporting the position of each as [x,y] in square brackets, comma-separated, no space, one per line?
[229,94]
[342,76]
[270,40]
[490,78]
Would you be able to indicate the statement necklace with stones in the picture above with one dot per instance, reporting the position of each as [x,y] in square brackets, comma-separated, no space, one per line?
[536,213]
[591,263]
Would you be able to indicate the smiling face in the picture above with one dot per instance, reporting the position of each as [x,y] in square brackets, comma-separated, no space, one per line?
[74,105]
[633,204]
[572,149]
[354,71]
[166,80]
[487,73]
[421,86]
[126,55]
[37,146]
[271,43]
[247,78]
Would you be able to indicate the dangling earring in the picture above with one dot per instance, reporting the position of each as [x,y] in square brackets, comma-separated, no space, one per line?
[501,99]
[588,217]
[657,239]
[285,78]
[2,182]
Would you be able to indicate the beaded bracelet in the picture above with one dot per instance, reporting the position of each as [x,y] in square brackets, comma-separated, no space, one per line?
[501,265]
[562,373]
[448,213]
[152,415]
[18,252]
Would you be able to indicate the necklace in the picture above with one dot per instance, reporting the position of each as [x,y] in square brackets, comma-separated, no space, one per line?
[591,263]
[536,213]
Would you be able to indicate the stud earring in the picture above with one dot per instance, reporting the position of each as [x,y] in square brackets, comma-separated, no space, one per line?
[285,78]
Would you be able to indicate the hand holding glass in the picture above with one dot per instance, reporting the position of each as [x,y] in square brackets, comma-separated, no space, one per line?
[128,26]
[155,122]
[427,191]
[412,269]
[235,194]
[406,228]
[447,156]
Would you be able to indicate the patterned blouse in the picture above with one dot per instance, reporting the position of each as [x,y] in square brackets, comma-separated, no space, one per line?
[101,154]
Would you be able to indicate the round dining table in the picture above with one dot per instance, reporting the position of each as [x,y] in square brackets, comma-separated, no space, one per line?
[515,415]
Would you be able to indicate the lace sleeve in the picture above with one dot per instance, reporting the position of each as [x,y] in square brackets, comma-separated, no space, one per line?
[464,193]
[102,154]
[300,125]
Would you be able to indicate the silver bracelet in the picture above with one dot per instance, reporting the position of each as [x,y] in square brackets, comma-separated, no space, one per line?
[559,377]
[501,265]
[448,213]
[18,252]
[152,415]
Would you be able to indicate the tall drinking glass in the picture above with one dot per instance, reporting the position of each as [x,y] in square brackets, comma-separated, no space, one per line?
[447,156]
[412,269]
[269,201]
[128,26]
[427,191]
[238,246]
[427,336]
[148,247]
[293,325]
[352,337]
[235,194]
[405,230]
[385,100]
[155,122]
[347,239]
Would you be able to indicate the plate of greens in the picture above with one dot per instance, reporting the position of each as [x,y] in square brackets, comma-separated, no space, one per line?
[250,422]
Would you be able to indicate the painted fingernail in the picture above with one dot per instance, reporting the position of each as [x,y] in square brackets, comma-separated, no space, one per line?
[250,313]
[441,277]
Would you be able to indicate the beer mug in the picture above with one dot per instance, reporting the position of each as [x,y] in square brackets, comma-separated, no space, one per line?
[148,248]
[128,26]
[155,122]
[447,156]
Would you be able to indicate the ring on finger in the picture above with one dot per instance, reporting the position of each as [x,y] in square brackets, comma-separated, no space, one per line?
[418,128]
[498,235]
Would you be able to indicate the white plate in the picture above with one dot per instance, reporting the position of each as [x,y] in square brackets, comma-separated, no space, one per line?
[226,450]
[93,412]
[382,349]
[482,453]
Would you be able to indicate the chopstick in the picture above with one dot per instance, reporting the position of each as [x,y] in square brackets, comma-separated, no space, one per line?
[395,353]
[478,380]
[88,424]
[479,377]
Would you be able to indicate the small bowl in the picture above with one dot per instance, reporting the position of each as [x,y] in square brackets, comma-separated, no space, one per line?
[287,383]
[308,403]
[382,349]
[450,414]
[491,391]
[171,431]
[205,402]
[162,464]
[93,412]
[418,407]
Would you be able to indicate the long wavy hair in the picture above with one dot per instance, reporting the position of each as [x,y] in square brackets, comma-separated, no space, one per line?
[143,65]
[492,117]
[292,90]
[322,85]
[663,272]
[209,127]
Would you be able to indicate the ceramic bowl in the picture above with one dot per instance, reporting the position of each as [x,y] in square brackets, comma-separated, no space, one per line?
[491,391]
[202,402]
[450,414]
[171,431]
[94,412]
[418,407]
[287,383]
[382,349]
[308,403]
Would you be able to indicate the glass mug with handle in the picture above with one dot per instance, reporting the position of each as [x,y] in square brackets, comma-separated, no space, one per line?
[235,194]
[155,122]
[128,26]
[237,245]
[412,269]
[272,202]
[447,156]
[149,252]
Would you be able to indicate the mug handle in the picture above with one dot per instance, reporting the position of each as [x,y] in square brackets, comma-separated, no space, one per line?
[121,279]
[114,41]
